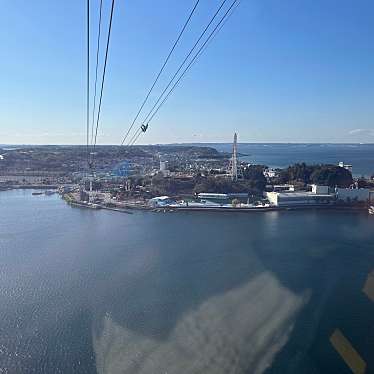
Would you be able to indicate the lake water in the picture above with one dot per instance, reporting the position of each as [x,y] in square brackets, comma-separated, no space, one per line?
[361,156]
[86,291]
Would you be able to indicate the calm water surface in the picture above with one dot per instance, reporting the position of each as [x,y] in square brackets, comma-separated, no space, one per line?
[102,292]
[361,156]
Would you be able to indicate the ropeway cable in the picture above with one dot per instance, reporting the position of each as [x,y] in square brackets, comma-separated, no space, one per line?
[191,62]
[96,70]
[213,33]
[161,70]
[184,61]
[88,83]
[103,78]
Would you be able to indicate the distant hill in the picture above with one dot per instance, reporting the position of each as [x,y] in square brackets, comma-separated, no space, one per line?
[71,158]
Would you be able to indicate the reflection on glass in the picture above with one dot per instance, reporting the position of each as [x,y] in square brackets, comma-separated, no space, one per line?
[238,330]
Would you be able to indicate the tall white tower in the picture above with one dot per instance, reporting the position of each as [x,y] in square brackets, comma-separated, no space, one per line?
[234,161]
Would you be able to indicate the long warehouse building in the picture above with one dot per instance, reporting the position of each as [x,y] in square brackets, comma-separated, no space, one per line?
[299,198]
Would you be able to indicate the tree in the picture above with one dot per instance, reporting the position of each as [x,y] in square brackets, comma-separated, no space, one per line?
[254,174]
[296,173]
[331,175]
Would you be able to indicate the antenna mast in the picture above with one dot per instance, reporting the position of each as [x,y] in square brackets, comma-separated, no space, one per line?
[234,161]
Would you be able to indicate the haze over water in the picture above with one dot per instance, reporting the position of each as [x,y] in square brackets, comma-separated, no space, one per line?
[86,291]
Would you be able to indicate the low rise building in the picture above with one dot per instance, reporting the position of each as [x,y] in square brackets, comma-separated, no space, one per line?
[160,201]
[320,195]
[354,194]
[164,168]
[289,199]
[317,189]
[283,187]
[213,196]
[270,173]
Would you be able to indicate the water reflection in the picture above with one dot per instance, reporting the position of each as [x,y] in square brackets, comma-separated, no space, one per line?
[238,331]
[181,293]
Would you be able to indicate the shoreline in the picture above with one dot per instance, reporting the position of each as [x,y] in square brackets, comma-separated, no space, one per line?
[127,208]
[174,209]
[255,210]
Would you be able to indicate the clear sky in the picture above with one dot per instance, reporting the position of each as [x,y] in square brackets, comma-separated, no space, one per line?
[279,71]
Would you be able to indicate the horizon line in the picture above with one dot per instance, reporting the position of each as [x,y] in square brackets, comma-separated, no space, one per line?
[182,143]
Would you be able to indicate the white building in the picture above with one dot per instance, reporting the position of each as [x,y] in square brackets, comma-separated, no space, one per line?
[270,173]
[163,168]
[160,201]
[285,199]
[163,165]
[283,187]
[345,166]
[214,196]
[320,196]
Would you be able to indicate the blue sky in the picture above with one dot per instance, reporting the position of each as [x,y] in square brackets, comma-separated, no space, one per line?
[279,71]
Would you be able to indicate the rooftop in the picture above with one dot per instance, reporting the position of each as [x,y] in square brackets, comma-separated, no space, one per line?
[299,194]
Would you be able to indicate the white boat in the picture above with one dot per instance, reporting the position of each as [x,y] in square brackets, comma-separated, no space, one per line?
[371,209]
